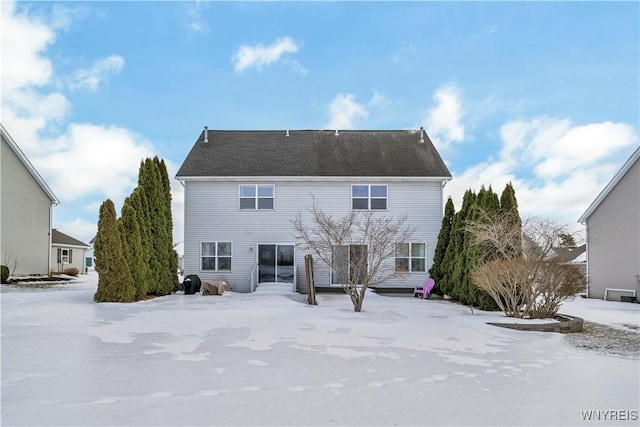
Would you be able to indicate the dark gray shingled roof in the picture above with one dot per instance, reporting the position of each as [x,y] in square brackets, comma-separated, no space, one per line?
[392,153]
[58,238]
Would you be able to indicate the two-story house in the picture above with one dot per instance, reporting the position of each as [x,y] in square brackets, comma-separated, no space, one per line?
[613,235]
[26,212]
[243,188]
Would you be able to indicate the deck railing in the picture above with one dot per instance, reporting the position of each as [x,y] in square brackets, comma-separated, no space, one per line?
[254,278]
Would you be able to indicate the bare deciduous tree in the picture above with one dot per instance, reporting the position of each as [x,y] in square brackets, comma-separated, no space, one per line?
[533,282]
[358,247]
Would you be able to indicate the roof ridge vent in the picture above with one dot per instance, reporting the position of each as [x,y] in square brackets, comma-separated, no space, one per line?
[421,140]
[206,134]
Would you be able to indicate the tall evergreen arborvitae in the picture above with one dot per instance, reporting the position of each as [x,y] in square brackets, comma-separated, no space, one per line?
[445,285]
[141,207]
[457,255]
[489,205]
[468,293]
[145,235]
[115,283]
[150,181]
[459,274]
[132,245]
[172,256]
[158,195]
[509,208]
[441,247]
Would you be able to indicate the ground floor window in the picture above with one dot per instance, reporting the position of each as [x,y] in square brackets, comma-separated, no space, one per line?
[215,256]
[349,264]
[411,257]
[65,256]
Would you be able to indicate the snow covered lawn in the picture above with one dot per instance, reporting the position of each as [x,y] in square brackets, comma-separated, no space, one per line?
[270,359]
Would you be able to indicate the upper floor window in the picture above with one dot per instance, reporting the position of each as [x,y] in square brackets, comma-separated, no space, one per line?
[369,197]
[411,257]
[215,256]
[257,196]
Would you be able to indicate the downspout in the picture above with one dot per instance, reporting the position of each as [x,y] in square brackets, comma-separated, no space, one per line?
[586,235]
[50,238]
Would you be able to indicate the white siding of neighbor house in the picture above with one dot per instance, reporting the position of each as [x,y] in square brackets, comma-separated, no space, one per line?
[212,214]
[77,258]
[26,217]
[613,238]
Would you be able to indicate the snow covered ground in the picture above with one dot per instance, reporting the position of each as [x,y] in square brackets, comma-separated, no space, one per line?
[270,359]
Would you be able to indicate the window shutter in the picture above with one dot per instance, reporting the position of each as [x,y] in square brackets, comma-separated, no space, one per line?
[59,255]
[70,256]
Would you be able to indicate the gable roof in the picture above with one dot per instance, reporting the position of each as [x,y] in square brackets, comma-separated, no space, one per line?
[392,153]
[58,238]
[570,255]
[27,164]
[614,181]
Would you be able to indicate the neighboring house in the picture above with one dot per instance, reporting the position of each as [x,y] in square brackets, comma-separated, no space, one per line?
[613,235]
[67,252]
[179,248]
[26,211]
[572,255]
[243,188]
[88,255]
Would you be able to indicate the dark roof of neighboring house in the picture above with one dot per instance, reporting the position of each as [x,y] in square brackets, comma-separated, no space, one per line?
[27,164]
[58,238]
[569,254]
[391,153]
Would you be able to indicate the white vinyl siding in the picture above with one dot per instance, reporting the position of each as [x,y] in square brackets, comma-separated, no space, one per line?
[613,245]
[211,214]
[26,217]
[75,257]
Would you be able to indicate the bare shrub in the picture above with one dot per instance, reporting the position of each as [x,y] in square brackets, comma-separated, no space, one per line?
[553,283]
[505,280]
[531,282]
[11,262]
[71,271]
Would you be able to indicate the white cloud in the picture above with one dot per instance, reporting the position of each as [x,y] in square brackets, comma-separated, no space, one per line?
[259,56]
[377,99]
[81,162]
[91,78]
[296,66]
[78,229]
[24,40]
[193,17]
[556,168]
[94,160]
[407,50]
[344,112]
[443,122]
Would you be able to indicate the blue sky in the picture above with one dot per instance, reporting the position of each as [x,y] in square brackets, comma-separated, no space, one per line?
[543,94]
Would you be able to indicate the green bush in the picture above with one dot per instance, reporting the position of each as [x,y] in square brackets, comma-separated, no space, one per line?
[71,271]
[5,274]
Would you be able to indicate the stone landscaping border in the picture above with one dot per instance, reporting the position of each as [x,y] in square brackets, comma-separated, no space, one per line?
[565,325]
